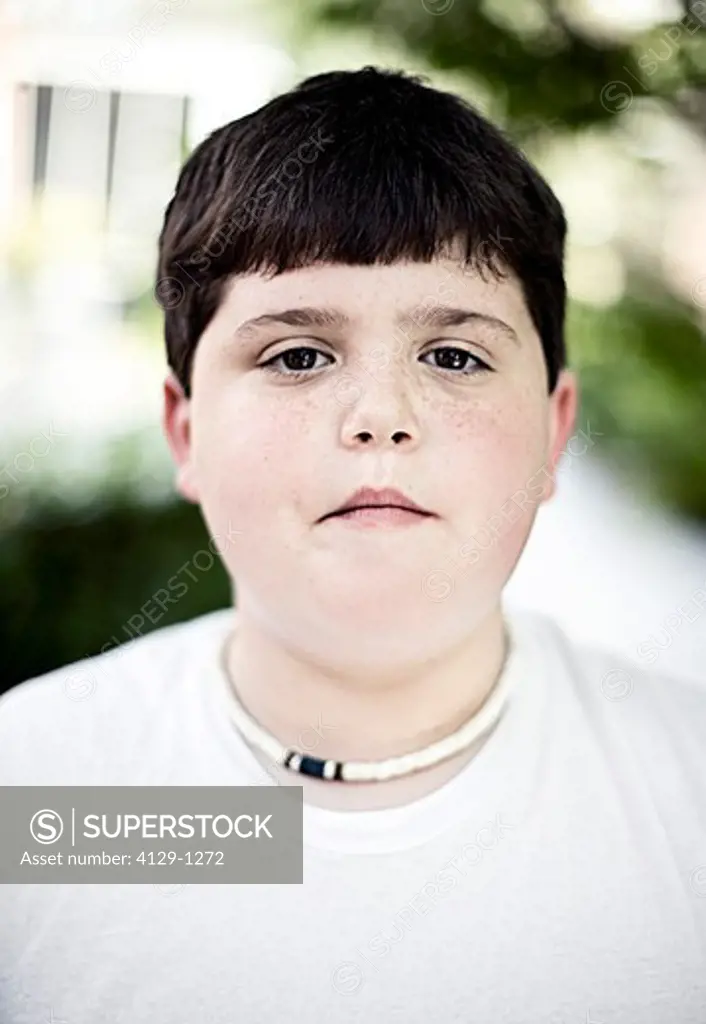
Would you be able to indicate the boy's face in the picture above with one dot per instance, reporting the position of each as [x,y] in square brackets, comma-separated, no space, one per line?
[267,454]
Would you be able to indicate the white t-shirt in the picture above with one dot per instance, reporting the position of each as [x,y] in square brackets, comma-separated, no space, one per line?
[559,877]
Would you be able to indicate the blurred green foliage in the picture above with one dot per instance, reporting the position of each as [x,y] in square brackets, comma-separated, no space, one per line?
[72,582]
[539,63]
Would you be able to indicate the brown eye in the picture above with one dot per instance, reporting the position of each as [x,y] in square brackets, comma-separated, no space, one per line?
[297,361]
[455,359]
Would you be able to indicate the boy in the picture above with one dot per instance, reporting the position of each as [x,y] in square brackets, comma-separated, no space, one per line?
[364,303]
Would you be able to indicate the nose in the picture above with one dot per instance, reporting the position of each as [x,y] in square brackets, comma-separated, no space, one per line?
[379,413]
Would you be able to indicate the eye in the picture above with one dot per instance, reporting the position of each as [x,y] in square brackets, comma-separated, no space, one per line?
[454,359]
[299,361]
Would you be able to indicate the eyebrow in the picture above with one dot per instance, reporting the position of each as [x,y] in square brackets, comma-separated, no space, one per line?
[425,315]
[422,315]
[304,316]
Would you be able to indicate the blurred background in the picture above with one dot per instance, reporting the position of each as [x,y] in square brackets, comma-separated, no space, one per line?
[99,106]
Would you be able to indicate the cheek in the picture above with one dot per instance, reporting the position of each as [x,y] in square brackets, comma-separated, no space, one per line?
[248,456]
[495,468]
[497,446]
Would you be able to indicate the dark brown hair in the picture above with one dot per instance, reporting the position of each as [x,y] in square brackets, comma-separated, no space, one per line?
[357,167]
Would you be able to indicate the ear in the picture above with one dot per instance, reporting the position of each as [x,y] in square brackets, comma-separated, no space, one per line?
[563,410]
[176,423]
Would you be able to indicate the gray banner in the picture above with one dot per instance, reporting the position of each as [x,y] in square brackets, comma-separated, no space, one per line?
[170,834]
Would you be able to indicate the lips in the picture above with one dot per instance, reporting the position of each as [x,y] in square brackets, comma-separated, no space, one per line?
[369,497]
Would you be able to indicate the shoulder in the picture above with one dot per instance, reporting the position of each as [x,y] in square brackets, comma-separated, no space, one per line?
[615,675]
[613,678]
[68,715]
[645,719]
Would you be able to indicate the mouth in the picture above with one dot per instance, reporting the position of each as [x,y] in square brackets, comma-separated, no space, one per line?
[369,506]
[379,515]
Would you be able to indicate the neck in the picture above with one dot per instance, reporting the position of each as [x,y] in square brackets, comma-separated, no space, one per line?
[334,711]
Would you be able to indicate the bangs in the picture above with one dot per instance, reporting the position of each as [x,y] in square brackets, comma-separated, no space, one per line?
[353,168]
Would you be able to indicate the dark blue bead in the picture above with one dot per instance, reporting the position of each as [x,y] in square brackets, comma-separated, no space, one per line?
[312,766]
